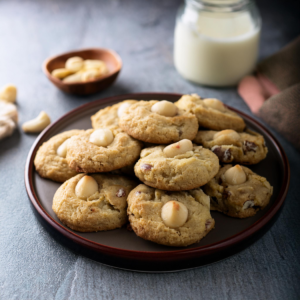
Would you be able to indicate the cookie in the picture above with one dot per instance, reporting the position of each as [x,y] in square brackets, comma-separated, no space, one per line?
[211,113]
[176,172]
[93,203]
[169,218]
[238,192]
[50,160]
[148,122]
[86,156]
[230,146]
[109,116]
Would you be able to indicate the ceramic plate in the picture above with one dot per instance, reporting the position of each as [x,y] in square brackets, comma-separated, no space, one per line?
[122,248]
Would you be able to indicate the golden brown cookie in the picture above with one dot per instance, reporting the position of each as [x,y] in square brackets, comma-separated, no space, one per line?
[149,221]
[238,192]
[184,171]
[230,146]
[108,117]
[93,203]
[142,123]
[49,164]
[211,113]
[85,156]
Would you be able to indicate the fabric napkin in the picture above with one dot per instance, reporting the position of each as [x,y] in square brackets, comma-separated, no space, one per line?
[273,92]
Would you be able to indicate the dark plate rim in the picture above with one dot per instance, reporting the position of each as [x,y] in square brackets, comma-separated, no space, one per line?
[151,255]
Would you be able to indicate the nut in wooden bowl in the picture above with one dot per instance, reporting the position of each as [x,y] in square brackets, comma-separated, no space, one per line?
[111,59]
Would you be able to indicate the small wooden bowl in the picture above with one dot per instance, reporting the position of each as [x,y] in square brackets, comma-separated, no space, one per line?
[111,58]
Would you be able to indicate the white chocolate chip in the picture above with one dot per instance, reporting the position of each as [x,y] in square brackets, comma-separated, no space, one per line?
[215,104]
[38,124]
[122,108]
[61,73]
[8,93]
[86,187]
[235,175]
[178,148]
[62,149]
[229,134]
[9,110]
[7,126]
[73,78]
[102,137]
[74,64]
[174,214]
[164,108]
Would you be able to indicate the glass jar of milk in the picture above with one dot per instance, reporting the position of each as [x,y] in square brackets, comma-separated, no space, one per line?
[216,41]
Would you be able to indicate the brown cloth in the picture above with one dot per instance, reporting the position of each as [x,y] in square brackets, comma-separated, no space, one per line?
[274,92]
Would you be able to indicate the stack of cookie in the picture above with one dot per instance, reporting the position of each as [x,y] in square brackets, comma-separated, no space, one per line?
[159,143]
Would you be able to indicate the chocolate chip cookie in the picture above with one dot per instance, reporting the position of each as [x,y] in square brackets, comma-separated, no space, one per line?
[238,193]
[146,124]
[50,160]
[150,221]
[108,117]
[230,146]
[211,113]
[103,207]
[85,156]
[183,171]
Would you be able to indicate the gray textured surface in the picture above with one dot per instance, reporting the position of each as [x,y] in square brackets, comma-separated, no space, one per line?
[32,264]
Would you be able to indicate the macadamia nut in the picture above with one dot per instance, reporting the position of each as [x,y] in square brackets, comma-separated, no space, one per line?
[61,73]
[235,175]
[174,214]
[178,148]
[38,124]
[91,74]
[228,134]
[122,108]
[102,137]
[74,63]
[86,187]
[164,108]
[95,64]
[77,77]
[62,149]
[8,93]
[215,104]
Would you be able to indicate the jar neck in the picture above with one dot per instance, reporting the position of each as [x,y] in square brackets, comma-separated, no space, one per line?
[218,5]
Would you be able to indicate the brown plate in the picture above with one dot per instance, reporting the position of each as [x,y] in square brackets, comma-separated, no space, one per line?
[110,57]
[123,249]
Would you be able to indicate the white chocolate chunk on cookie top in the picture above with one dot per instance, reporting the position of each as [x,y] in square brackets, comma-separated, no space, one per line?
[122,108]
[62,149]
[86,187]
[102,137]
[164,108]
[178,148]
[235,175]
[174,214]
[74,63]
[215,104]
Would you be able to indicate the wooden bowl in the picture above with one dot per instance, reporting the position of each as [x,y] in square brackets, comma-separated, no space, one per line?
[111,58]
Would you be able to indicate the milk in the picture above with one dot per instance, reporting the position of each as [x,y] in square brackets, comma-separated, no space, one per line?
[215,49]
